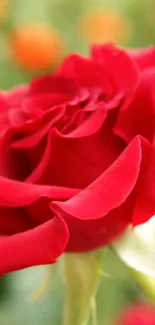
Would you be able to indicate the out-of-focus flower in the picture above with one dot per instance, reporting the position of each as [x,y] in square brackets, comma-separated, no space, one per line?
[103,26]
[142,314]
[35,46]
[3,8]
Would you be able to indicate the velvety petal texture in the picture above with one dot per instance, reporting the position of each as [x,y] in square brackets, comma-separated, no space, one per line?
[76,156]
[40,245]
[109,190]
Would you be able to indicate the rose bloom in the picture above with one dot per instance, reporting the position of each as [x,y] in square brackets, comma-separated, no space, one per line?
[142,314]
[76,156]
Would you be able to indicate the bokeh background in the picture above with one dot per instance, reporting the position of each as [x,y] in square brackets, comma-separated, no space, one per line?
[35,35]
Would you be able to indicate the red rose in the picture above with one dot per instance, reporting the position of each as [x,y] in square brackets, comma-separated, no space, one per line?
[137,315]
[72,164]
[145,58]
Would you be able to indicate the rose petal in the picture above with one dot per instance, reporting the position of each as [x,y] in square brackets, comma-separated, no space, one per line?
[89,234]
[13,221]
[139,117]
[123,71]
[3,103]
[91,125]
[78,117]
[33,139]
[85,72]
[39,246]
[51,84]
[21,194]
[144,57]
[145,207]
[108,191]
[66,158]
[15,96]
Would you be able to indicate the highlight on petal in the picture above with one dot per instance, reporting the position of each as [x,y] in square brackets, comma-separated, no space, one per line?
[137,247]
[109,190]
[38,246]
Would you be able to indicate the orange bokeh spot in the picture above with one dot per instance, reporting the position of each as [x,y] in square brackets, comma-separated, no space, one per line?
[104,26]
[35,47]
[3,8]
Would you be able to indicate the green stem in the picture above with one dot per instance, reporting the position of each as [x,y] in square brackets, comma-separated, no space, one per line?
[146,284]
[82,277]
[93,312]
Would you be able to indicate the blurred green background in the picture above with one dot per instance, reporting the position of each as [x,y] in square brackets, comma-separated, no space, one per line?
[34,36]
[36,296]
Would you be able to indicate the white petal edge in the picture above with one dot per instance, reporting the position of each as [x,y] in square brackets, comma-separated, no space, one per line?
[137,247]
